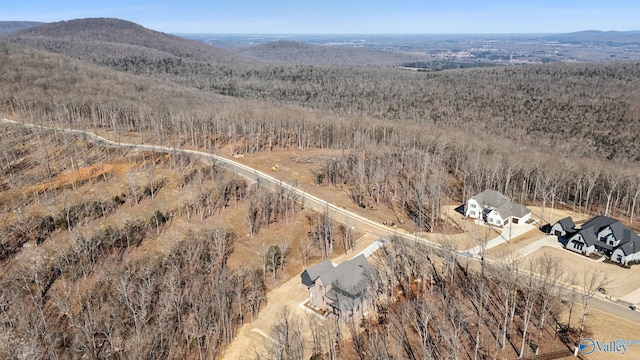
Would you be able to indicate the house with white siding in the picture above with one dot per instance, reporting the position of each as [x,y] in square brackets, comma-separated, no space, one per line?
[563,227]
[608,237]
[496,209]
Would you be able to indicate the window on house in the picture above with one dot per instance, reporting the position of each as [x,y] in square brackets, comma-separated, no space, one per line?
[473,206]
[320,287]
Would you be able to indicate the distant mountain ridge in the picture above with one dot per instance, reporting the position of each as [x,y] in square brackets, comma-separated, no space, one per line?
[618,37]
[107,38]
[299,53]
[8,27]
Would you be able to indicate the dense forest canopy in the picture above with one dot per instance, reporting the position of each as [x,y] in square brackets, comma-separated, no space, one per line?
[589,109]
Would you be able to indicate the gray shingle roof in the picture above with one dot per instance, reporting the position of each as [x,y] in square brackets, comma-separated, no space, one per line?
[503,205]
[567,223]
[631,247]
[348,280]
[588,236]
[599,222]
[629,240]
[312,274]
[491,198]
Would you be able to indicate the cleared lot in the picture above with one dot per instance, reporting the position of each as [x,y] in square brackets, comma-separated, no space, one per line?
[621,281]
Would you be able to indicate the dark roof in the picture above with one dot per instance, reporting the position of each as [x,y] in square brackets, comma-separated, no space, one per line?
[618,229]
[603,245]
[567,223]
[588,236]
[310,275]
[629,240]
[630,247]
[599,222]
[349,276]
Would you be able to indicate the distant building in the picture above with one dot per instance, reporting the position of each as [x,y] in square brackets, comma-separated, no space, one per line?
[340,290]
[496,209]
[607,236]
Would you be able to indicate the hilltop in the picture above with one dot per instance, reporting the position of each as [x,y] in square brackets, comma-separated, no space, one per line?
[113,41]
[7,27]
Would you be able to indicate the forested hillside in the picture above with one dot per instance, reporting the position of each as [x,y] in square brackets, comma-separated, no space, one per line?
[96,258]
[588,109]
[109,41]
[297,53]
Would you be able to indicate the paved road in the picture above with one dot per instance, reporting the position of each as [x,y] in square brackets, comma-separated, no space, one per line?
[310,201]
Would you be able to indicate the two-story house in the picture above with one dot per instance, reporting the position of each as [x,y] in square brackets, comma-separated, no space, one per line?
[341,290]
[607,236]
[496,209]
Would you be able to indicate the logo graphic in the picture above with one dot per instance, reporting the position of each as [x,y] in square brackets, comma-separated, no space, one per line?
[587,346]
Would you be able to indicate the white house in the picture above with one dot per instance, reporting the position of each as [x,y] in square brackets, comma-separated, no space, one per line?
[609,237]
[627,253]
[582,242]
[563,227]
[496,209]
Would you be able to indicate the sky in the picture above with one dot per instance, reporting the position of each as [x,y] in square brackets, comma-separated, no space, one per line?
[343,16]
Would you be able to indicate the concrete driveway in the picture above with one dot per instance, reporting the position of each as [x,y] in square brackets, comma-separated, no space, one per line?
[549,241]
[509,232]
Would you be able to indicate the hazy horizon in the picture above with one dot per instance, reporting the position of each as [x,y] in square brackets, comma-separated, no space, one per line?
[336,17]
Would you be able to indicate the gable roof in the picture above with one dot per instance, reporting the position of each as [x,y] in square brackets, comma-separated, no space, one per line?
[629,240]
[349,277]
[599,222]
[566,223]
[618,229]
[632,246]
[588,236]
[501,203]
[491,198]
[310,275]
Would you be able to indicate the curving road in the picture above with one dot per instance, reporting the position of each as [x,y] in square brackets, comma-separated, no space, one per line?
[312,202]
